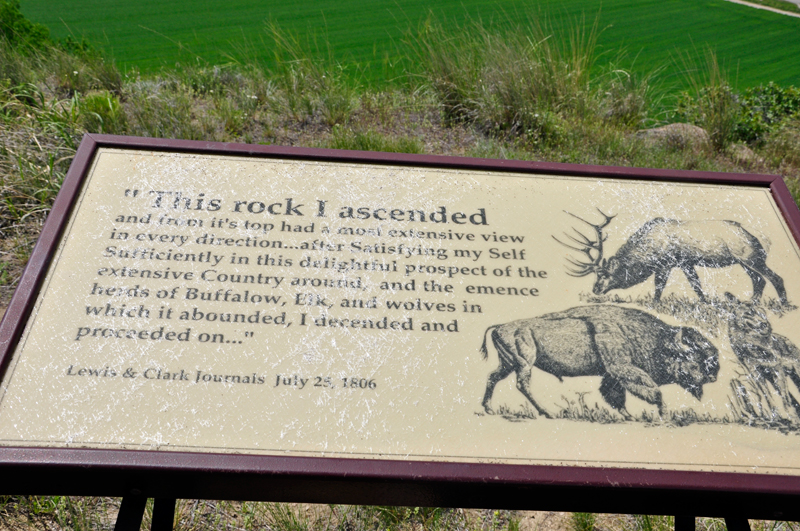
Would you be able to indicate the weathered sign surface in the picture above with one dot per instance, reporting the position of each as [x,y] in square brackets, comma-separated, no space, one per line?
[231,304]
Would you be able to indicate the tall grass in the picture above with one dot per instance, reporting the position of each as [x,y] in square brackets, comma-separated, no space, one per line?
[523,81]
[313,81]
[712,102]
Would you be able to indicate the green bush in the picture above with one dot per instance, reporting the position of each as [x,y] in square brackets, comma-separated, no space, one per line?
[83,73]
[751,117]
[19,31]
[764,109]
[74,47]
[101,112]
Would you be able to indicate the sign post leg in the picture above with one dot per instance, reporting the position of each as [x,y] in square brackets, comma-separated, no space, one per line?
[163,514]
[130,513]
[737,524]
[684,523]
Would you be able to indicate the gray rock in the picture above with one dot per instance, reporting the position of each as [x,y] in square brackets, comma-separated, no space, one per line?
[678,136]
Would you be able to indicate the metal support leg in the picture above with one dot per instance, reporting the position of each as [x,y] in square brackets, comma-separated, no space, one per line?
[163,514]
[684,523]
[737,524]
[130,513]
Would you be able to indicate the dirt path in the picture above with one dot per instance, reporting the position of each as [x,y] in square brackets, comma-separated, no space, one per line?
[767,8]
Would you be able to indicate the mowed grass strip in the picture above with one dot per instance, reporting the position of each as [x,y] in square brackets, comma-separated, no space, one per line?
[756,46]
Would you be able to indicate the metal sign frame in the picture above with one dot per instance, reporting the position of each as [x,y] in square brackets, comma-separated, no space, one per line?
[137,475]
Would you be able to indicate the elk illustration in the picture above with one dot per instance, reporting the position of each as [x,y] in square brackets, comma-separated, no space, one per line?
[632,350]
[661,245]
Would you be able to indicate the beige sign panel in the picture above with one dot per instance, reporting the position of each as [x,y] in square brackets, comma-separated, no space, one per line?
[284,307]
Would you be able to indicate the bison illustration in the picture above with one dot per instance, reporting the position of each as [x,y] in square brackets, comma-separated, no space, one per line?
[661,245]
[632,350]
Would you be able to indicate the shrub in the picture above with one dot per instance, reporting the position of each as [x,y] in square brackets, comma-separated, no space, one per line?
[101,112]
[728,116]
[716,109]
[783,145]
[764,109]
[19,31]
[711,103]
[82,73]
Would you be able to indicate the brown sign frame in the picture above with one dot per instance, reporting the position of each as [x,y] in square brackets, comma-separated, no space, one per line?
[370,481]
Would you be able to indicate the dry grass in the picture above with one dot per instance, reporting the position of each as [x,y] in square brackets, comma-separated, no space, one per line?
[90,514]
[96,514]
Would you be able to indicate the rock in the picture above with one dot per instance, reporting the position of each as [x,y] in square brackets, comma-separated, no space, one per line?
[743,155]
[676,136]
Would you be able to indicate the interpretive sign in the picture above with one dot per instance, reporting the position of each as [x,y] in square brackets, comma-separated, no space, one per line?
[289,303]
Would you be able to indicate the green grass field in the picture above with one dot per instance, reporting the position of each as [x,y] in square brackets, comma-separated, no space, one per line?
[756,46]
